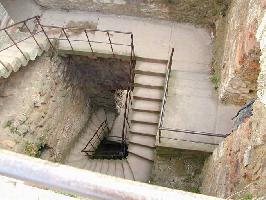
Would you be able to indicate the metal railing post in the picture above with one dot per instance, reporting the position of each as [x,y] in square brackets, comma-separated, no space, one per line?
[88,40]
[167,76]
[67,39]
[110,43]
[38,21]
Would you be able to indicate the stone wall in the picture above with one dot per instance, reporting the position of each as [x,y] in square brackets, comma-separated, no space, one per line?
[236,55]
[237,167]
[103,79]
[40,112]
[202,12]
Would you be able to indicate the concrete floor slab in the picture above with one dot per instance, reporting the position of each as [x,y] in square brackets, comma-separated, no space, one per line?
[191,113]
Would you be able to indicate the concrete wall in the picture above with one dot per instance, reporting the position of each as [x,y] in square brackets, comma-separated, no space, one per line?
[5,19]
[202,12]
[237,167]
[236,55]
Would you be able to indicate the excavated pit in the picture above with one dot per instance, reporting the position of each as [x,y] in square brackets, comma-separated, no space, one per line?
[46,105]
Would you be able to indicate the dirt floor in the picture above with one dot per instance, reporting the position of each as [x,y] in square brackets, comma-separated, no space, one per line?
[178,169]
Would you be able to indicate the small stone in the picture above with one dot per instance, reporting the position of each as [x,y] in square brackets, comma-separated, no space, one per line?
[22,129]
[246,160]
[36,104]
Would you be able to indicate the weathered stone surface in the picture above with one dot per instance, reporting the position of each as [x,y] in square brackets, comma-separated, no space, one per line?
[202,12]
[236,57]
[243,162]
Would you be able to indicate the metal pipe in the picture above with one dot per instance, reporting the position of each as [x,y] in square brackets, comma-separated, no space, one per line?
[89,30]
[165,89]
[67,39]
[110,43]
[12,25]
[194,132]
[85,183]
[88,41]
[198,142]
[38,21]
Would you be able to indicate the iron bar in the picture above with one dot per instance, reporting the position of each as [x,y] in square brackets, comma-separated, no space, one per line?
[166,88]
[83,150]
[198,142]
[88,41]
[194,132]
[90,30]
[38,21]
[110,43]
[92,41]
[15,24]
[15,44]
[67,39]
[169,64]
[32,35]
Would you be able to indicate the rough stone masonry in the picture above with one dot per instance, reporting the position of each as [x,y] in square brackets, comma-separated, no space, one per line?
[237,168]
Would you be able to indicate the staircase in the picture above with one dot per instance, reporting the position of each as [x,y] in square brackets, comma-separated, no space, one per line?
[144,118]
[11,59]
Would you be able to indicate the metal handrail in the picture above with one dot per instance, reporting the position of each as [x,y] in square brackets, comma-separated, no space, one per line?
[63,32]
[102,126]
[167,76]
[32,35]
[162,112]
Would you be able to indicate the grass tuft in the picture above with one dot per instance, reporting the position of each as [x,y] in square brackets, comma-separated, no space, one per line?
[215,81]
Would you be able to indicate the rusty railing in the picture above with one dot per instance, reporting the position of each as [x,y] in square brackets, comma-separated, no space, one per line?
[176,130]
[166,83]
[21,27]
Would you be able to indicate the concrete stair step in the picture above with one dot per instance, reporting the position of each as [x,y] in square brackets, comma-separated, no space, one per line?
[186,145]
[149,81]
[110,119]
[148,94]
[77,161]
[93,165]
[145,117]
[119,169]
[141,151]
[150,68]
[128,174]
[141,167]
[10,63]
[99,165]
[88,165]
[111,169]
[143,129]
[41,39]
[30,49]
[146,105]
[142,140]
[4,72]
[105,167]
